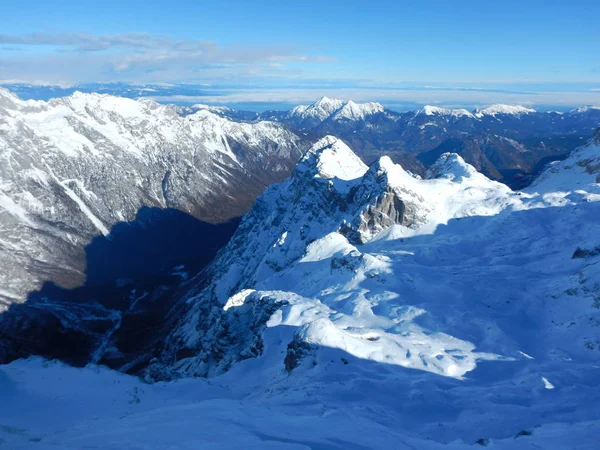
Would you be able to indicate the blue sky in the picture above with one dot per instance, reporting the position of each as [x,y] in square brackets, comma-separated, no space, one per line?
[446,52]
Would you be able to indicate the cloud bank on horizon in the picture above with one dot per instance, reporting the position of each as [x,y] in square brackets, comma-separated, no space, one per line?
[400,97]
[459,54]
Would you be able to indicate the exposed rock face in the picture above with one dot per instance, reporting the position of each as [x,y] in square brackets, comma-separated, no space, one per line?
[388,210]
[384,203]
[224,336]
[297,351]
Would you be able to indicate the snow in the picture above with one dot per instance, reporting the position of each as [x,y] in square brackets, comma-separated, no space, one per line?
[526,355]
[85,209]
[238,299]
[67,123]
[219,109]
[335,160]
[342,404]
[356,111]
[321,109]
[429,110]
[584,109]
[362,300]
[452,189]
[9,206]
[452,167]
[418,336]
[328,103]
[574,179]
[336,110]
[496,109]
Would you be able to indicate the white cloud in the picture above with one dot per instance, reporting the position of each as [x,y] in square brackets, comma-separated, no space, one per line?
[448,98]
[84,57]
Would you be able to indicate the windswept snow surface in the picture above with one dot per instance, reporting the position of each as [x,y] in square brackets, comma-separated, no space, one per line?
[472,321]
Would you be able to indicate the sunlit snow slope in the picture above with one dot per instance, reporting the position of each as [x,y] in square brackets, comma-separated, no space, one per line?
[396,269]
[359,307]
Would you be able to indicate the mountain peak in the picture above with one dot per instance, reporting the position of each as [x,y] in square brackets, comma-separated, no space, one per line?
[199,106]
[320,110]
[357,111]
[498,108]
[326,101]
[335,109]
[8,98]
[429,110]
[331,158]
[451,166]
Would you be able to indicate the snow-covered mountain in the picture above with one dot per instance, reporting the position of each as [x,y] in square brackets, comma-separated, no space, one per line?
[306,117]
[442,312]
[321,241]
[320,110]
[223,111]
[492,110]
[498,109]
[429,110]
[379,308]
[576,175]
[74,166]
[509,143]
[303,238]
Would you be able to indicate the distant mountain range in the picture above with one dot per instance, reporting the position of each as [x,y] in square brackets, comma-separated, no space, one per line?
[509,143]
[505,142]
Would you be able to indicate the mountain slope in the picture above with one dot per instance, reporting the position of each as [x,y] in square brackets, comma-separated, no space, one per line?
[365,407]
[445,312]
[507,142]
[579,173]
[72,167]
[327,248]
[302,246]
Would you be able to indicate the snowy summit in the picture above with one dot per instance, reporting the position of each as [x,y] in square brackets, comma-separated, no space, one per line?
[336,110]
[494,110]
